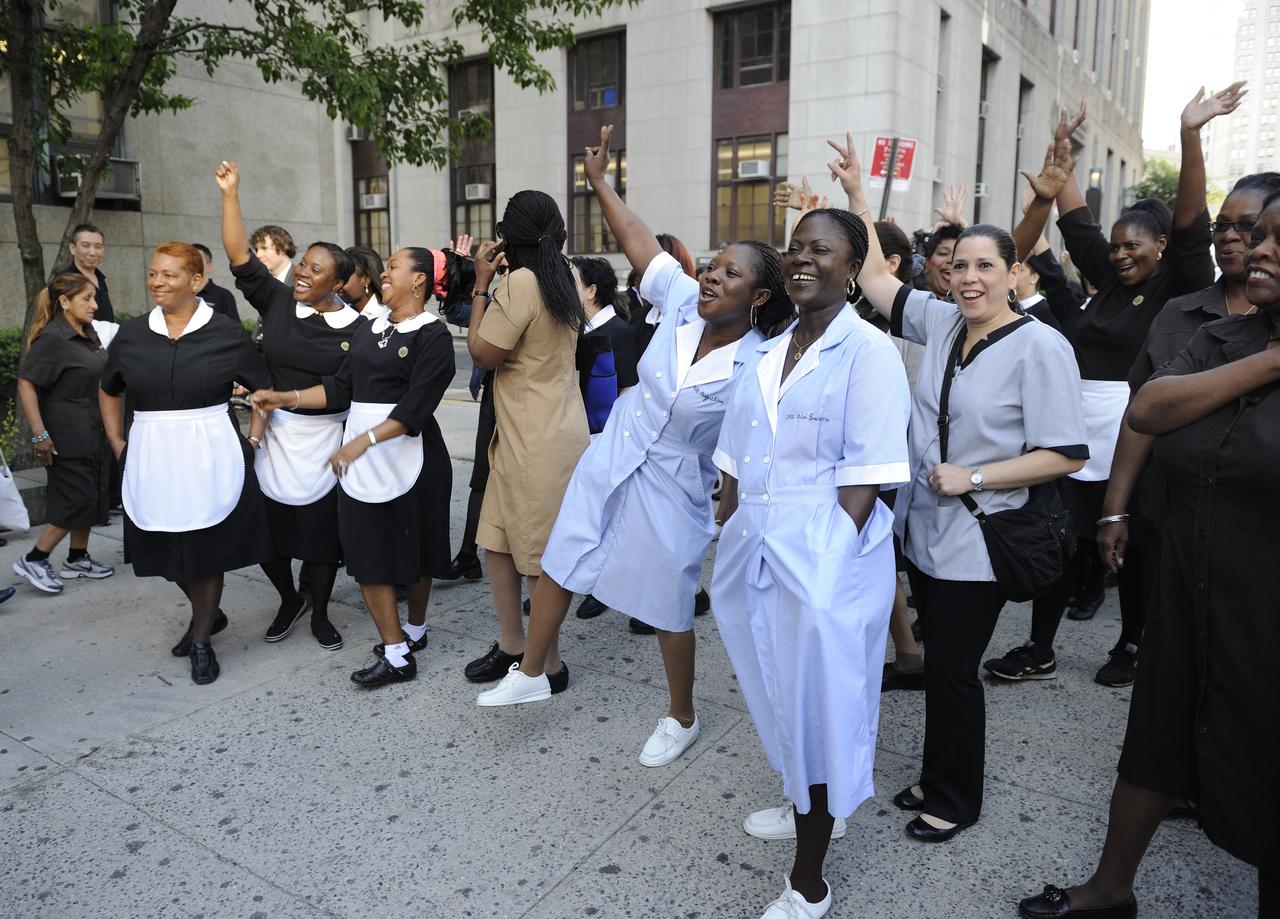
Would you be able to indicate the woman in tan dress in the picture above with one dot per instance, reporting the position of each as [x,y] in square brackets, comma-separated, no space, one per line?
[525,329]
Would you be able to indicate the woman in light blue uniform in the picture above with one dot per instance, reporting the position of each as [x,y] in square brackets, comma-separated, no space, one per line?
[804,576]
[636,519]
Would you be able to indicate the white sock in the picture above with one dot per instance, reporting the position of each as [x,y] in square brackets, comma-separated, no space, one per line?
[415,632]
[396,654]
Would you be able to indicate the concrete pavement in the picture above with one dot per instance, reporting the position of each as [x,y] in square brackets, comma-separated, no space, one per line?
[282,791]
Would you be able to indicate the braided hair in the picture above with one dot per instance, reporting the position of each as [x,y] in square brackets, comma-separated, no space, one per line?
[534,232]
[774,314]
[853,229]
[1150,215]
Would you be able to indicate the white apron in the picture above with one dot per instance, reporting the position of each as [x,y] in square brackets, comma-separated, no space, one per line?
[387,469]
[1103,402]
[293,464]
[184,469]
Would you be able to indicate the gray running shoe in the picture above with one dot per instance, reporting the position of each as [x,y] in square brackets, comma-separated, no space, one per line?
[85,567]
[40,574]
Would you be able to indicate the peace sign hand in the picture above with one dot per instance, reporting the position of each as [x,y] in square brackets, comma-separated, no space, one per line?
[596,162]
[848,170]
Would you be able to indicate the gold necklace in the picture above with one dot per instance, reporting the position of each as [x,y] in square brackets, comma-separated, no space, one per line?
[800,349]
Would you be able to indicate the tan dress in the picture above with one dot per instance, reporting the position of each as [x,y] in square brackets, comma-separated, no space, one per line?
[542,425]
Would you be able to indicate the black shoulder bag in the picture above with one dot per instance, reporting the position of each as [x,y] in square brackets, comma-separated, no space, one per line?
[1030,546]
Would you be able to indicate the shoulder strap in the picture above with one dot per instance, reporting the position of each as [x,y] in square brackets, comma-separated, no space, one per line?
[944,418]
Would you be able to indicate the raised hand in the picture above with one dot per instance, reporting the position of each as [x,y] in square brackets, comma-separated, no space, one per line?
[486,269]
[1056,172]
[788,194]
[952,210]
[847,169]
[462,245]
[1067,123]
[1202,109]
[596,162]
[227,175]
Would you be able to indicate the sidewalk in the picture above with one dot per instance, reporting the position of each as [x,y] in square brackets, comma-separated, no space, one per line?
[282,791]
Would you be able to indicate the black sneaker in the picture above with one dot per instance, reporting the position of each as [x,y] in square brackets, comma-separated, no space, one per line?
[590,608]
[641,628]
[1120,668]
[183,647]
[329,638]
[383,672]
[204,664]
[286,619]
[559,681]
[701,603]
[1022,664]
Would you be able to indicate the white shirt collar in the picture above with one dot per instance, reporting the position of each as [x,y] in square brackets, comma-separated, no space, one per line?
[373,310]
[769,372]
[600,319]
[1030,301]
[283,273]
[199,319]
[407,325]
[715,365]
[654,316]
[335,319]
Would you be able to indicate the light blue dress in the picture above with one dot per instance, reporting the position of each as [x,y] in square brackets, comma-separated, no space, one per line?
[801,597]
[636,519]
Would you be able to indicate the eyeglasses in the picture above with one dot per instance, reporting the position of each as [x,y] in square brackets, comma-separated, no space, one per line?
[1243,227]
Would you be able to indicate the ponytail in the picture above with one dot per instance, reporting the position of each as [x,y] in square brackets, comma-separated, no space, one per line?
[68,284]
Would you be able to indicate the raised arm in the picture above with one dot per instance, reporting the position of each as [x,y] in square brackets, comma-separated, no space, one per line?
[877,282]
[1199,111]
[637,241]
[234,240]
[1044,188]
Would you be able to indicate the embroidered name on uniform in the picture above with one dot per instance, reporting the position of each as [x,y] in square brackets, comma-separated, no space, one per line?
[803,416]
[709,397]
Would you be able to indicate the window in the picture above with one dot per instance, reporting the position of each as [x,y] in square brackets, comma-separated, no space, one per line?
[1082,17]
[599,72]
[471,187]
[590,232]
[754,46]
[986,80]
[373,214]
[1099,36]
[748,170]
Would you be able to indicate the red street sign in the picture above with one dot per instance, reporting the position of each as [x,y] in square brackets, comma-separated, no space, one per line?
[902,168]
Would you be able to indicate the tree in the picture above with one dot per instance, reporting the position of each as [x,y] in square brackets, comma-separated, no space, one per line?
[397,95]
[1159,180]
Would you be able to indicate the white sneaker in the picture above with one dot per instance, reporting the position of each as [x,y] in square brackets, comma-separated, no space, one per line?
[780,823]
[668,741]
[516,689]
[40,574]
[793,906]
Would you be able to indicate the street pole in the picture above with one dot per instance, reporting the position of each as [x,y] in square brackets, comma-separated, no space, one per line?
[888,179]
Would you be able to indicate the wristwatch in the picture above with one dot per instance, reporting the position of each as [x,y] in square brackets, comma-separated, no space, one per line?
[481,293]
[975,478]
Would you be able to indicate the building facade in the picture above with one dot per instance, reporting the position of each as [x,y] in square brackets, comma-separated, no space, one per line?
[1247,141]
[714,105]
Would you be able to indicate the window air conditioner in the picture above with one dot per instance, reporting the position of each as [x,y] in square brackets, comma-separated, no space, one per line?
[355,134]
[476,191]
[375,202]
[981,189]
[753,169]
[120,182]
[474,111]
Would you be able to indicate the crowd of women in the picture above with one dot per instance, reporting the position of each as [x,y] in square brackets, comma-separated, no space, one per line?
[858,419]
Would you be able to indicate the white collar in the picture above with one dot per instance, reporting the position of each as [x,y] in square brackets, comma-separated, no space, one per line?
[335,319]
[1030,301]
[769,372]
[715,365]
[407,325]
[373,309]
[654,316]
[284,272]
[600,319]
[199,319]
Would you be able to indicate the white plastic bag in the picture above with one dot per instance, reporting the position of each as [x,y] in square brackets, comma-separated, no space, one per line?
[13,512]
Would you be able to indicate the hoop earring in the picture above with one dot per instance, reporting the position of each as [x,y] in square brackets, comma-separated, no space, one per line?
[849,287]
[415,290]
[1013,297]
[755,310]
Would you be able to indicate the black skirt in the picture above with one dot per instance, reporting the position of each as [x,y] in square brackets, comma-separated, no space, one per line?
[407,538]
[74,498]
[1083,501]
[240,540]
[485,426]
[308,532]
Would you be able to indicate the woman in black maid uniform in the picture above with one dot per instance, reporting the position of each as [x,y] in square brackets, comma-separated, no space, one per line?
[306,334]
[393,470]
[193,510]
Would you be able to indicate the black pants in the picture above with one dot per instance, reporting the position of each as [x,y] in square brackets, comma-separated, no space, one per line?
[958,617]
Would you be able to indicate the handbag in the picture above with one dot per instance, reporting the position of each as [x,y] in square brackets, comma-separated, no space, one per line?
[13,511]
[1030,546]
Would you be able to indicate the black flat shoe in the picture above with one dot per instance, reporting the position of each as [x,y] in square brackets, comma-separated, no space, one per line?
[640,628]
[905,800]
[384,672]
[559,681]
[415,647]
[492,665]
[701,603]
[329,638]
[286,619]
[893,678]
[1084,610]
[183,647]
[590,608]
[204,664]
[918,829]
[464,565]
[1054,903]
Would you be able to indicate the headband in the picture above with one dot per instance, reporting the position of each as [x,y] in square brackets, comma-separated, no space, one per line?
[438,264]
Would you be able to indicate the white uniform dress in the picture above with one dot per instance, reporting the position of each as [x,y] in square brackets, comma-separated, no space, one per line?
[636,519]
[801,597]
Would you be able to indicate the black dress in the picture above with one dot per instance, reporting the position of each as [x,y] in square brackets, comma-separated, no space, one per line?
[299,352]
[195,371]
[65,366]
[1202,723]
[406,537]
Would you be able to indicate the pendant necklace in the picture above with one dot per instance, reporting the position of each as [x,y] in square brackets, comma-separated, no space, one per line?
[799,348]
[386,335]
